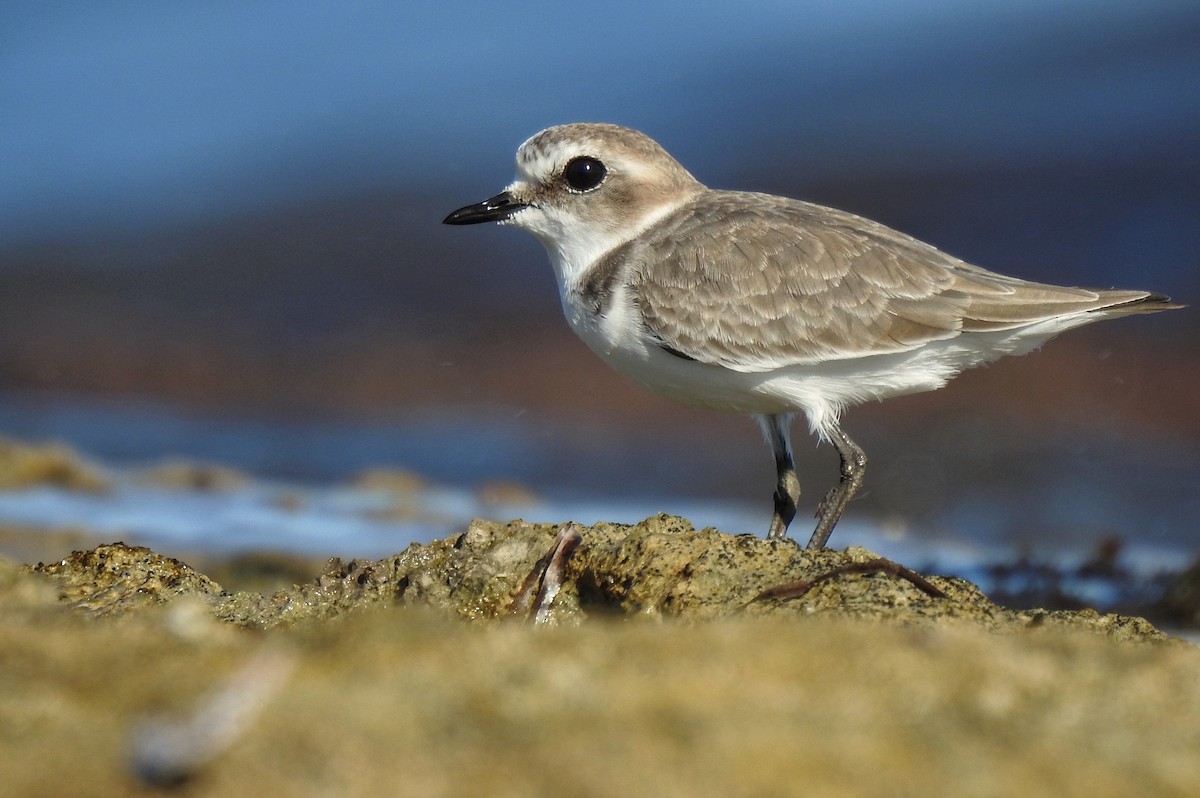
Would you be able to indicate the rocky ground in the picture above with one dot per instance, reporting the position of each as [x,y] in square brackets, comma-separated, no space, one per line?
[534,659]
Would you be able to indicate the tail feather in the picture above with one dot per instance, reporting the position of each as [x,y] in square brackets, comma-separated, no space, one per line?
[1140,302]
[1042,304]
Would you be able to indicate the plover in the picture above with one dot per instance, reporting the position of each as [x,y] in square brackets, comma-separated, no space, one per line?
[757,304]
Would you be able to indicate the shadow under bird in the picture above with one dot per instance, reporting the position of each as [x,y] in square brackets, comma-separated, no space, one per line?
[757,304]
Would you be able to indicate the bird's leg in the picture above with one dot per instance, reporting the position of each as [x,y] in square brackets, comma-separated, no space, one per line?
[854,468]
[787,493]
[777,429]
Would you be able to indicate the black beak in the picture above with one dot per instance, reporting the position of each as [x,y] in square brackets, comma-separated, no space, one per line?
[495,209]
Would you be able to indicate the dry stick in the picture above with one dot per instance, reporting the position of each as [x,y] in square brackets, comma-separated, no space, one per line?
[878,565]
[167,752]
[546,577]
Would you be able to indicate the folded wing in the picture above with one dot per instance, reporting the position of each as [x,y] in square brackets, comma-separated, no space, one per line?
[754,282]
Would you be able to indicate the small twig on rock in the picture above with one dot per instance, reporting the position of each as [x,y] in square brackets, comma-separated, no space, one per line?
[546,577]
[799,588]
[167,752]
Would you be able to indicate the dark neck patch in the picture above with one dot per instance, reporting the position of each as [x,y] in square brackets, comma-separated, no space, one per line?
[596,289]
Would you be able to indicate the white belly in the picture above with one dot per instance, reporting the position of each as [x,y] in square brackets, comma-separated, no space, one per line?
[821,391]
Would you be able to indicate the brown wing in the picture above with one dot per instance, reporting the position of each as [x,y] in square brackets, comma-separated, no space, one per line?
[755,282]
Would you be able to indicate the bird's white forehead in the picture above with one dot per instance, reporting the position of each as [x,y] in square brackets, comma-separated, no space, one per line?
[536,164]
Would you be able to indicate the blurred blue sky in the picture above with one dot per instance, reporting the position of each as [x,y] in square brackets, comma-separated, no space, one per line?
[131,115]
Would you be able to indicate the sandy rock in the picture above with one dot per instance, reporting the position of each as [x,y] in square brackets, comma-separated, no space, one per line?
[116,578]
[660,568]
[664,677]
[25,465]
[189,475]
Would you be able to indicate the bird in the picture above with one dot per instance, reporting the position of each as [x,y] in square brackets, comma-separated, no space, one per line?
[762,305]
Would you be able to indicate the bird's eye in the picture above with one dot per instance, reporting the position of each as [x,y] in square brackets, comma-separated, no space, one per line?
[584,173]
